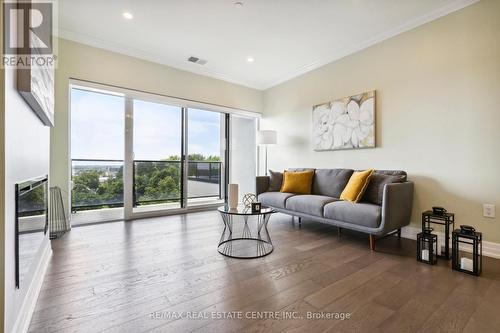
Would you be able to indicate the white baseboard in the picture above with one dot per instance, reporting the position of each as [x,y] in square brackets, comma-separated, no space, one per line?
[28,307]
[490,249]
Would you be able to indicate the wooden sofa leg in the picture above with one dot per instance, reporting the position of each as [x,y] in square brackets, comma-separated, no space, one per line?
[372,242]
[399,233]
[300,221]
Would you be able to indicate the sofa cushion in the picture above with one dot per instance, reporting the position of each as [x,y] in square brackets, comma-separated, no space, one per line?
[300,169]
[275,181]
[393,173]
[298,182]
[308,204]
[375,191]
[331,182]
[356,186]
[363,214]
[274,199]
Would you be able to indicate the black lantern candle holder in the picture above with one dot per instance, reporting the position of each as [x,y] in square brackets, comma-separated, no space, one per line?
[440,216]
[465,240]
[427,243]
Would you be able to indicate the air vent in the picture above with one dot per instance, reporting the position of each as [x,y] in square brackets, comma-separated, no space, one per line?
[197,60]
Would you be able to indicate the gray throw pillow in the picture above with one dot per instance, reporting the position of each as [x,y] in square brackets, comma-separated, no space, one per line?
[375,189]
[275,180]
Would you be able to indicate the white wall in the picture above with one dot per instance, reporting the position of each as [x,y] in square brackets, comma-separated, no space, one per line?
[243,154]
[438,112]
[26,156]
[84,62]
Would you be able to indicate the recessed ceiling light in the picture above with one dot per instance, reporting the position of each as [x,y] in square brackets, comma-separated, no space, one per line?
[250,59]
[128,15]
[238,3]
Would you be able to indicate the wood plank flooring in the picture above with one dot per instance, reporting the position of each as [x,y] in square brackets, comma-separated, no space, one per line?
[151,275]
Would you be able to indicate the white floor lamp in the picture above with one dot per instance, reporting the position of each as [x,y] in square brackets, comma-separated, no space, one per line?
[266,138]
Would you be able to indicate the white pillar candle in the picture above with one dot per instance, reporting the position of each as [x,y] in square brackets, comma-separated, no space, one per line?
[233,196]
[467,264]
[425,255]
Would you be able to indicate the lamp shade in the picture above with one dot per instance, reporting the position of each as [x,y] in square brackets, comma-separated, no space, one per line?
[267,137]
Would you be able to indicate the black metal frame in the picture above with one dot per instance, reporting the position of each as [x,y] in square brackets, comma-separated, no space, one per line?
[16,228]
[183,147]
[446,220]
[428,237]
[21,188]
[227,134]
[474,239]
[263,244]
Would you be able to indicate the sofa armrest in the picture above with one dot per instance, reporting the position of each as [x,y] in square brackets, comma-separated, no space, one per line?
[397,204]
[261,184]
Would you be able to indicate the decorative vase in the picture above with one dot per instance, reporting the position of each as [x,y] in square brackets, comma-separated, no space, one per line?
[233,196]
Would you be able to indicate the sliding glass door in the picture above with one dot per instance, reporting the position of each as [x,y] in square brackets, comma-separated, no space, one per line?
[157,150]
[97,148]
[178,157]
[206,156]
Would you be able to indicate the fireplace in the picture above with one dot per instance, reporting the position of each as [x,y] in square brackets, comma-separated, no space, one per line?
[31,223]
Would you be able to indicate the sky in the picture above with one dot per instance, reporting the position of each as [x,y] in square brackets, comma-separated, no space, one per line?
[98,126]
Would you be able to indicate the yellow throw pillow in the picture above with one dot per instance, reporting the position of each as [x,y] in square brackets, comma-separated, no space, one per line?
[299,182]
[356,186]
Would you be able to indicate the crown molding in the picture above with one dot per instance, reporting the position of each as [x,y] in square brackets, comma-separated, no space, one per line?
[440,12]
[210,72]
[162,60]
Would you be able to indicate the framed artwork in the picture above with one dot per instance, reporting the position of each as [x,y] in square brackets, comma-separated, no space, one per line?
[35,69]
[346,123]
[36,86]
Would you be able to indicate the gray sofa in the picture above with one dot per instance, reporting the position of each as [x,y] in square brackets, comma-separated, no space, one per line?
[385,207]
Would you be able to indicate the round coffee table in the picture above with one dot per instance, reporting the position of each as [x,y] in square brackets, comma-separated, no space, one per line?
[245,234]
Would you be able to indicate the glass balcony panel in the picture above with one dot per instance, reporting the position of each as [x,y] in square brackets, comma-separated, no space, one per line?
[204,180]
[156,182]
[97,184]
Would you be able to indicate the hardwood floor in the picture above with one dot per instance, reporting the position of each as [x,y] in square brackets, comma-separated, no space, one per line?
[143,275]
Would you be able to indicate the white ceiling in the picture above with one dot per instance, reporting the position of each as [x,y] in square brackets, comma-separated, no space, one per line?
[285,37]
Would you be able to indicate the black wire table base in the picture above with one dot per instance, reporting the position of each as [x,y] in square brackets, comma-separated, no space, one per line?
[245,236]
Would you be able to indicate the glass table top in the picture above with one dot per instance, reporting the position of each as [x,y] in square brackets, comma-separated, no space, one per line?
[243,210]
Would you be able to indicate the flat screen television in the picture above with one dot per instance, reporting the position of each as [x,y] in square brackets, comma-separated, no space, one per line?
[31,223]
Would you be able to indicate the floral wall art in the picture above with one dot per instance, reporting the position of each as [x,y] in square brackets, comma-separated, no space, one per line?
[346,123]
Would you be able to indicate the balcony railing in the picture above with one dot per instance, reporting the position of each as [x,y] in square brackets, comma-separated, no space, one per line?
[209,172]
[99,183]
